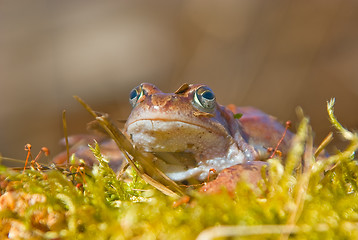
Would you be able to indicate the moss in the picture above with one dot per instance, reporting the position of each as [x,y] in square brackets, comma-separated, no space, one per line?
[314,200]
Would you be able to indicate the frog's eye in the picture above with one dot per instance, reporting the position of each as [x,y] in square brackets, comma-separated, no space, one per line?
[205,99]
[135,94]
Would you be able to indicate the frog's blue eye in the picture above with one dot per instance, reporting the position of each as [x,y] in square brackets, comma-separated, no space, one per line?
[134,95]
[204,99]
[208,95]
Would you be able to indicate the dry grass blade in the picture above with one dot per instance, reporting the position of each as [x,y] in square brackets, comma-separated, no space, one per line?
[324,144]
[64,123]
[11,159]
[145,167]
[236,231]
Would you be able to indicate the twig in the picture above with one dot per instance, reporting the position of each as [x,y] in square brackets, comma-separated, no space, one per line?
[288,124]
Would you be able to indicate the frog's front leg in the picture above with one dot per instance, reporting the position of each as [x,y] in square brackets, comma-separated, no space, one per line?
[238,135]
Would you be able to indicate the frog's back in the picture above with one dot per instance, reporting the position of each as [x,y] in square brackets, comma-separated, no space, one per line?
[262,130]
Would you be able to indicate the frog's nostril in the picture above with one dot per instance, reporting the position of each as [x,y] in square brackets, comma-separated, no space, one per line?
[190,145]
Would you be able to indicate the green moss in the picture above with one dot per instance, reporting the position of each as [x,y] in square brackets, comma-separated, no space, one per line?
[314,200]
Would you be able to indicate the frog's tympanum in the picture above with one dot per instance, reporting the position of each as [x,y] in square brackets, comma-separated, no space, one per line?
[190,133]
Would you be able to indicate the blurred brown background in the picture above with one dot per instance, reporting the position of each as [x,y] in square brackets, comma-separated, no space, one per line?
[274,55]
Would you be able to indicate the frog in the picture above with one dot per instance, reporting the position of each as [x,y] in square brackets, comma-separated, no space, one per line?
[191,134]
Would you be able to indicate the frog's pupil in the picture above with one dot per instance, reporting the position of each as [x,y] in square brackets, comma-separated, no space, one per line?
[133,94]
[208,95]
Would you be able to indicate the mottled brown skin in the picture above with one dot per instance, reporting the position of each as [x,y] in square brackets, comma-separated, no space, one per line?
[228,178]
[253,133]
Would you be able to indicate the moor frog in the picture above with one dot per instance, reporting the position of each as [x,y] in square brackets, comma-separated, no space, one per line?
[191,133]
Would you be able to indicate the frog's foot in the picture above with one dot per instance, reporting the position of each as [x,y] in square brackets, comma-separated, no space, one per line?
[228,179]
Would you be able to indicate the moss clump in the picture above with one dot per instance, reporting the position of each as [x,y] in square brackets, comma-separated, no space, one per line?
[308,198]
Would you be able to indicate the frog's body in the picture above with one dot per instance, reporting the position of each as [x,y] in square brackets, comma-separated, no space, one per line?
[190,133]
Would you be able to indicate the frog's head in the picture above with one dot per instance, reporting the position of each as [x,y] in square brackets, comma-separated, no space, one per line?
[188,121]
